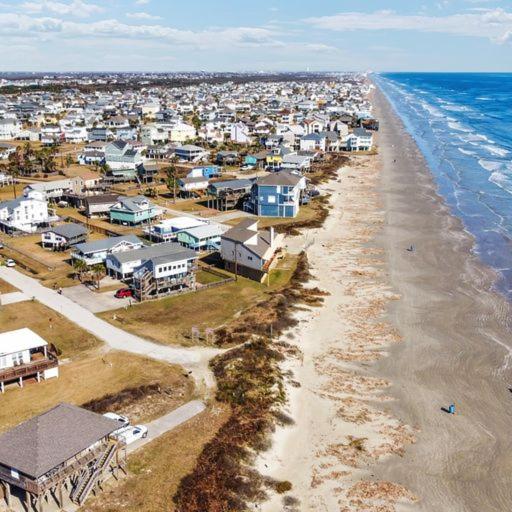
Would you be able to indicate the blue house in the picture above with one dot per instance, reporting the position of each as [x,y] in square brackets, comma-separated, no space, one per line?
[277,195]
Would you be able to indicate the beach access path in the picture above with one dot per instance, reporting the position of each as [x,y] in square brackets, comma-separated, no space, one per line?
[193,359]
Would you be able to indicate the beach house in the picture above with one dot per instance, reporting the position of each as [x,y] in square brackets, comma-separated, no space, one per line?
[133,210]
[92,253]
[202,238]
[23,355]
[63,454]
[250,252]
[64,236]
[25,214]
[277,195]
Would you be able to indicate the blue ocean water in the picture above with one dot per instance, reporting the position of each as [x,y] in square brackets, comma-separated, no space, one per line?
[462,123]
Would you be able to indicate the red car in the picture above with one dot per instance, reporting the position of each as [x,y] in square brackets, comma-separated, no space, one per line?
[123,293]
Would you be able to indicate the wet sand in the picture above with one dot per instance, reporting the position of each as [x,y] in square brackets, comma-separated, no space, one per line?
[456,342]
[401,335]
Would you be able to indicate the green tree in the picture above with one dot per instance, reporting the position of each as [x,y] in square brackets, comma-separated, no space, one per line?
[171,180]
[80,268]
[14,171]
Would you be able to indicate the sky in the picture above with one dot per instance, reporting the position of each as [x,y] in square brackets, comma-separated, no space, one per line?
[263,35]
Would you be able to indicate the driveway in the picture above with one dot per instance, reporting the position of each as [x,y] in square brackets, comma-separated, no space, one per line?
[168,422]
[95,302]
[194,359]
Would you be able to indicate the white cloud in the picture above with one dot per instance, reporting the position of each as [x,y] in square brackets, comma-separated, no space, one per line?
[142,16]
[78,8]
[493,24]
[142,2]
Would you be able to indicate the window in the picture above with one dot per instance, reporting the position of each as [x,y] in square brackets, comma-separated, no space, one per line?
[271,199]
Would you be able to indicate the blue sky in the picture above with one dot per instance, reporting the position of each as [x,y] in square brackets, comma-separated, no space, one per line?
[236,35]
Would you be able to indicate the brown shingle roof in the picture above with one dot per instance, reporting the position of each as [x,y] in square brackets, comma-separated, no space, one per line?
[46,441]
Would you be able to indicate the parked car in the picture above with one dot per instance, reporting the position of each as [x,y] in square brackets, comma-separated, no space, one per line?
[123,293]
[131,434]
[10,263]
[122,420]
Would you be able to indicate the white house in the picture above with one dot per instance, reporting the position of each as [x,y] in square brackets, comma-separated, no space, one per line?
[76,134]
[168,229]
[122,156]
[360,140]
[248,251]
[10,129]
[56,189]
[181,132]
[64,236]
[93,253]
[194,184]
[24,214]
[23,353]
[122,265]
[240,134]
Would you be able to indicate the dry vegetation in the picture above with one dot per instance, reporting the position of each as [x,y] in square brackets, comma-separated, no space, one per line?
[155,472]
[6,287]
[85,380]
[69,339]
[169,320]
[250,381]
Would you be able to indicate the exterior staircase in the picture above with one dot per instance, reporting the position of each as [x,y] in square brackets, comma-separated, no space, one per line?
[89,478]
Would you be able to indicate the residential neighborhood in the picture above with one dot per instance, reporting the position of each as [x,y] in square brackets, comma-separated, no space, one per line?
[139,225]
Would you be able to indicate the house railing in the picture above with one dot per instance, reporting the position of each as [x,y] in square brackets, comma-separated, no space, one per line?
[59,473]
[31,368]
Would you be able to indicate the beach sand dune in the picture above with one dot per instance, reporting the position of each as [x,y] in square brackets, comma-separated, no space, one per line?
[401,335]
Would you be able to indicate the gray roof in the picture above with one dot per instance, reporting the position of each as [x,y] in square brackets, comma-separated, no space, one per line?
[102,199]
[231,184]
[169,251]
[240,233]
[132,204]
[46,441]
[71,230]
[106,243]
[279,178]
[362,132]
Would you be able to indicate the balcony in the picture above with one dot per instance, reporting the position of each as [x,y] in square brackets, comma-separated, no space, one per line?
[39,364]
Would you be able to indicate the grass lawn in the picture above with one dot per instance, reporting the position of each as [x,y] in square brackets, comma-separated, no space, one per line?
[6,287]
[156,471]
[94,377]
[170,320]
[70,339]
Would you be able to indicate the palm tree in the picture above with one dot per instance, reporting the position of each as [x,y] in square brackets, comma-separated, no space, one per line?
[171,180]
[80,268]
[13,169]
[98,272]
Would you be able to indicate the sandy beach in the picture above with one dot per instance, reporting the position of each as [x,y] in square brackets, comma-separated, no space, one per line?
[401,335]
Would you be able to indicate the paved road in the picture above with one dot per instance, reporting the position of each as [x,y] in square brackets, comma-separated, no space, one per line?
[194,359]
[168,422]
[12,298]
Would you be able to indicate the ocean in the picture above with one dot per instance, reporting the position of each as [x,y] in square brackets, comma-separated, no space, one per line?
[462,123]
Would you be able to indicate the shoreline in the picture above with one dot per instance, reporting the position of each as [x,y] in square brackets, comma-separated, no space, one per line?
[367,407]
[455,326]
